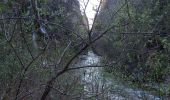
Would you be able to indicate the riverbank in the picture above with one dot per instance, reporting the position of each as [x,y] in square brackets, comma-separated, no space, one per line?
[99,85]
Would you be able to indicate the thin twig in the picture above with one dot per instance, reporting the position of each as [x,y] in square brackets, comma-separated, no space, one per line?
[62,55]
[16,18]
[25,70]
[22,34]
[8,40]
[52,80]
[94,21]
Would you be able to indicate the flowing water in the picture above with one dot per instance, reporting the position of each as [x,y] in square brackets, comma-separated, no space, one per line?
[100,88]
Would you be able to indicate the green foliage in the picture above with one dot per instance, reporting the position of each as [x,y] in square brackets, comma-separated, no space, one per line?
[141,63]
[1,6]
[158,63]
[8,68]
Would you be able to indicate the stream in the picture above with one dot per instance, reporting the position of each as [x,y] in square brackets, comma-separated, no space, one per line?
[101,88]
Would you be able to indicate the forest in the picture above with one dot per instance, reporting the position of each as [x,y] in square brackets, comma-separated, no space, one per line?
[84,49]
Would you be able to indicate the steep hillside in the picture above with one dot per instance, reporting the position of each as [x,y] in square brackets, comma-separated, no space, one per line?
[138,41]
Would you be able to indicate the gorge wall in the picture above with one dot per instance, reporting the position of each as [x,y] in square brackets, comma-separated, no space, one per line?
[127,42]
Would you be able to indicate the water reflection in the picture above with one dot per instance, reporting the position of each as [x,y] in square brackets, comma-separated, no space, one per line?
[100,88]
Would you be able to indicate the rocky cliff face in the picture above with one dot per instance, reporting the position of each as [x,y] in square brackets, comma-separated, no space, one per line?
[127,40]
[104,20]
[60,19]
[69,14]
[65,20]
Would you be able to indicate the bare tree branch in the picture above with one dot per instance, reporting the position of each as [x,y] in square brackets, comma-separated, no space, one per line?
[94,21]
[15,18]
[25,70]
[52,80]
[62,55]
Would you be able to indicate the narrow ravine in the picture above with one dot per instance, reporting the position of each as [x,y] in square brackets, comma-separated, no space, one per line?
[100,88]
[95,85]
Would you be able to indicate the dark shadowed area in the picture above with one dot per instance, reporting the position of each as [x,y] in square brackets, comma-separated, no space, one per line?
[84,50]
